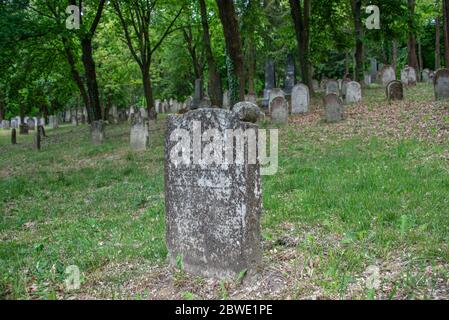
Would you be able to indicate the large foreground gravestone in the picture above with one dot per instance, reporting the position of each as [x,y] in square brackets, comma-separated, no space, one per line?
[279,110]
[441,84]
[408,76]
[353,92]
[334,108]
[139,134]
[97,132]
[395,91]
[213,207]
[300,99]
[387,74]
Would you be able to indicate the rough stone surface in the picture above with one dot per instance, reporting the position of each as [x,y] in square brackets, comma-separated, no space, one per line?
[289,74]
[247,111]
[373,69]
[353,92]
[97,132]
[212,211]
[334,108]
[332,87]
[387,74]
[425,76]
[300,99]
[279,110]
[441,84]
[395,91]
[139,134]
[408,76]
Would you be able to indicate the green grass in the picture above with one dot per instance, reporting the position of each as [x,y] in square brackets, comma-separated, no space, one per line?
[352,202]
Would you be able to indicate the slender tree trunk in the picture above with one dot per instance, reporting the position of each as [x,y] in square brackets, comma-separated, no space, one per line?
[420,59]
[94,109]
[411,45]
[2,108]
[346,62]
[236,71]
[437,44]
[358,54]
[148,91]
[251,65]
[446,32]
[302,27]
[215,91]
[394,53]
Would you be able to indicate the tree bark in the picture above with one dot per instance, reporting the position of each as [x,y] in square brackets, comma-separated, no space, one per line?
[233,41]
[94,108]
[446,32]
[301,17]
[411,45]
[394,53]
[214,81]
[356,6]
[437,43]
[420,60]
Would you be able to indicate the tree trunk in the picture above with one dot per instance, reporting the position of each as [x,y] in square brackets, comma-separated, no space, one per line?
[446,32]
[411,45]
[148,91]
[215,91]
[94,108]
[394,53]
[231,31]
[251,66]
[301,22]
[358,54]
[437,44]
[2,108]
[420,60]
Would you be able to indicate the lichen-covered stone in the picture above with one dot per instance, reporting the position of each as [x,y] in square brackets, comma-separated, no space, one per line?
[247,111]
[212,210]
[334,108]
[353,92]
[279,110]
[300,99]
[139,133]
[441,83]
[395,91]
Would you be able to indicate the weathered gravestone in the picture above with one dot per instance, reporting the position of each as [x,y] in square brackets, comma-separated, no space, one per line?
[139,134]
[343,88]
[441,84]
[5,125]
[270,82]
[332,87]
[226,100]
[425,75]
[14,136]
[14,124]
[279,110]
[97,132]
[408,76]
[387,74]
[31,124]
[300,99]
[198,96]
[247,111]
[367,79]
[395,91]
[213,207]
[289,74]
[274,93]
[373,69]
[53,122]
[353,92]
[334,108]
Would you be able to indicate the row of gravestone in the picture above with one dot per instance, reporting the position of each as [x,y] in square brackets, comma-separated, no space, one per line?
[28,123]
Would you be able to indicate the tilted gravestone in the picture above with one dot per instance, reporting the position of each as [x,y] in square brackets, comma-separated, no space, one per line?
[279,110]
[247,111]
[97,131]
[213,207]
[395,91]
[139,133]
[300,99]
[441,84]
[353,92]
[334,109]
[387,74]
[14,136]
[408,76]
[274,93]
[332,87]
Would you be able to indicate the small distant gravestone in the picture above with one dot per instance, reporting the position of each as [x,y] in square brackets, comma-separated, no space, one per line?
[441,84]
[14,136]
[395,91]
[334,108]
[270,82]
[5,125]
[367,79]
[300,99]
[213,210]
[332,87]
[408,76]
[74,121]
[139,134]
[53,122]
[353,92]
[289,74]
[279,110]
[14,124]
[274,93]
[425,75]
[97,132]
[373,69]
[387,74]
[344,85]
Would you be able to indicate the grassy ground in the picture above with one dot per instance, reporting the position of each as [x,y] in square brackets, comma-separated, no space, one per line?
[371,192]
